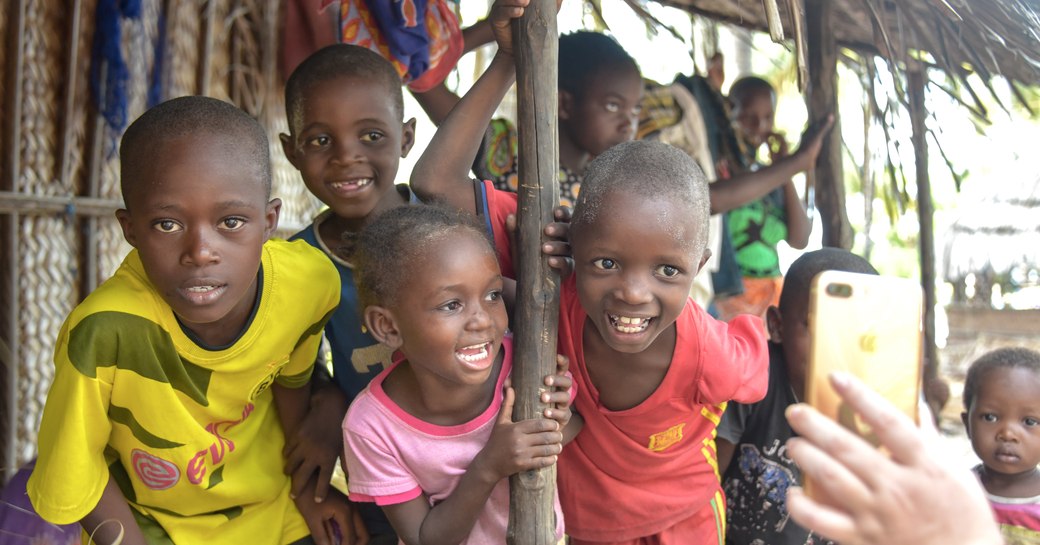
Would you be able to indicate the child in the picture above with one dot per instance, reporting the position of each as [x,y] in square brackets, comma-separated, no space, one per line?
[162,412]
[753,435]
[431,440]
[347,134]
[1002,416]
[599,94]
[653,370]
[756,227]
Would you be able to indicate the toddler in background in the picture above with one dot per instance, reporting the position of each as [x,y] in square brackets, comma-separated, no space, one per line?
[1002,416]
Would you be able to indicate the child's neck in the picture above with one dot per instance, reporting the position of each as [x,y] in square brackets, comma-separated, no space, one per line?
[335,228]
[624,380]
[1018,485]
[572,157]
[437,402]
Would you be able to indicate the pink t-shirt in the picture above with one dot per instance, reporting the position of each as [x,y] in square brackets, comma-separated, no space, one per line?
[393,457]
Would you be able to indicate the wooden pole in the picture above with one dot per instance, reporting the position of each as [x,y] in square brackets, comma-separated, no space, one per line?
[822,100]
[12,173]
[925,211]
[531,516]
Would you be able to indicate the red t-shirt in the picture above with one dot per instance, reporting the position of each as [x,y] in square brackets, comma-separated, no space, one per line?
[636,472]
[494,206]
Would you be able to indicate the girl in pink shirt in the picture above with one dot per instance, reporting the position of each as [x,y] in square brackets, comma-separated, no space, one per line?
[431,440]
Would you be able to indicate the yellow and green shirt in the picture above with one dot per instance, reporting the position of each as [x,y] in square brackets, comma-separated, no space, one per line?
[190,434]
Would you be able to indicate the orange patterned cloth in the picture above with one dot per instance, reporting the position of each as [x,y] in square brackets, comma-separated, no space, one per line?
[759,294]
[421,38]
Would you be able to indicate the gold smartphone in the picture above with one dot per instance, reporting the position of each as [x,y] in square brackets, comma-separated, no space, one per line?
[870,327]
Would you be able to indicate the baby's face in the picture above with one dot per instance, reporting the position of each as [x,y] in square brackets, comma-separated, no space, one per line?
[1004,421]
[634,264]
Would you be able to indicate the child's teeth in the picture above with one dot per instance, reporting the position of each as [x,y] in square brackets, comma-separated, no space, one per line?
[474,357]
[200,288]
[626,324]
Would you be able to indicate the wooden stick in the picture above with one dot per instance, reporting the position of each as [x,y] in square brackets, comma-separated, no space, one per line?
[531,517]
[12,172]
[916,78]
[776,26]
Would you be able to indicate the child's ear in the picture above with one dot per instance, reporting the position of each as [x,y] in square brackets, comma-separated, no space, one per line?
[775,324]
[381,324]
[704,259]
[274,207]
[288,149]
[123,216]
[565,104]
[407,136]
[964,419]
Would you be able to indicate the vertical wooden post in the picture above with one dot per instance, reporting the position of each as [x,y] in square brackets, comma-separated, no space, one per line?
[925,210]
[822,100]
[12,173]
[531,516]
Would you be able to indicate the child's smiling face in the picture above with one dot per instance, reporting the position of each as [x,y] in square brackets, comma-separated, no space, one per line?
[1004,421]
[634,264]
[199,217]
[449,317]
[348,144]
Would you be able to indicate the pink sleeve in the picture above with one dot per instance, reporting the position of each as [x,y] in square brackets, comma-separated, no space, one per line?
[735,360]
[374,473]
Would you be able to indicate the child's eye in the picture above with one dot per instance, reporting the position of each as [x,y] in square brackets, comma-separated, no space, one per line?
[637,110]
[1030,421]
[605,263]
[494,295]
[167,226]
[667,271]
[450,306]
[612,107]
[372,136]
[233,224]
[989,417]
[318,141]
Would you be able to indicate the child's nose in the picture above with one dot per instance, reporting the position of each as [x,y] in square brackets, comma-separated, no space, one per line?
[345,152]
[198,249]
[634,289]
[479,319]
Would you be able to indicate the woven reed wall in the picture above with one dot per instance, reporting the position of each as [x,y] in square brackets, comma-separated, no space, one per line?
[222,48]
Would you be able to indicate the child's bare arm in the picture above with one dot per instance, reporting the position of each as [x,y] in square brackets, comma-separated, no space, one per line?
[739,190]
[512,448]
[292,406]
[442,172]
[313,446]
[111,518]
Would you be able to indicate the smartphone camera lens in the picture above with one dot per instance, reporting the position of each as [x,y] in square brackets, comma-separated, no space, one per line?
[839,290]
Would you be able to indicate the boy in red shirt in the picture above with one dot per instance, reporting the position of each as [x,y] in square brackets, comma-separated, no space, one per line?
[654,371]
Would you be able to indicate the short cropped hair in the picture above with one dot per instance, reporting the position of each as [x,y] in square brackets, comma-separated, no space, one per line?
[1001,358]
[641,169]
[338,61]
[584,54]
[746,87]
[388,248]
[190,117]
[799,277]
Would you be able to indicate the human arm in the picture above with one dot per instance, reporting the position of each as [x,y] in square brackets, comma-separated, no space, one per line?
[731,428]
[313,446]
[111,520]
[292,404]
[725,195]
[795,218]
[442,172]
[870,498]
[511,448]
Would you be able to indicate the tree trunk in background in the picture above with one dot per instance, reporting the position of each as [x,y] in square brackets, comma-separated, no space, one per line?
[532,519]
[822,100]
[925,210]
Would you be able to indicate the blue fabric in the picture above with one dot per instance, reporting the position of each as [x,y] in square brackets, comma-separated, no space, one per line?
[111,94]
[410,44]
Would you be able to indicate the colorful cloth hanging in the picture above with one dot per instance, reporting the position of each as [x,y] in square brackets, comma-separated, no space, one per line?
[421,38]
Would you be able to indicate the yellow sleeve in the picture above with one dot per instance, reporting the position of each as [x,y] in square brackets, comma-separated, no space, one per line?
[71,471]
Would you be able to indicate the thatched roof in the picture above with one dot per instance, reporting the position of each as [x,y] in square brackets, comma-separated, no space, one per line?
[990,37]
[998,233]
